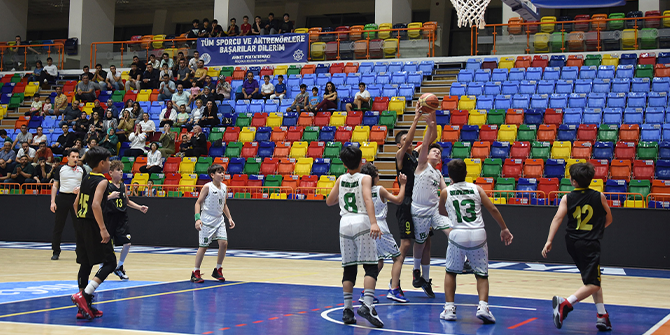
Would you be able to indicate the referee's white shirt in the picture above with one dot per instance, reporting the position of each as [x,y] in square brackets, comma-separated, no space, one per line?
[69,178]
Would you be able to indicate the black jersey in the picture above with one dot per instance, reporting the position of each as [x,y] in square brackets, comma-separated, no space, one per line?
[89,184]
[586,214]
[118,205]
[409,164]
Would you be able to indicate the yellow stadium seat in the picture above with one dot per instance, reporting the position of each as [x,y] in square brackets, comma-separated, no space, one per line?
[548,24]
[666,20]
[280,196]
[437,136]
[299,149]
[597,184]
[498,201]
[213,72]
[317,51]
[281,69]
[541,43]
[629,39]
[561,150]
[610,60]
[507,133]
[506,63]
[187,165]
[390,47]
[125,75]
[634,204]
[31,89]
[474,166]
[397,104]
[369,150]
[325,184]
[467,102]
[274,120]
[301,30]
[469,180]
[477,117]
[248,134]
[360,134]
[385,34]
[158,41]
[414,33]
[144,95]
[570,162]
[142,179]
[304,166]
[188,180]
[338,119]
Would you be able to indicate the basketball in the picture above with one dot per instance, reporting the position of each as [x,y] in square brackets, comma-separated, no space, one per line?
[429,100]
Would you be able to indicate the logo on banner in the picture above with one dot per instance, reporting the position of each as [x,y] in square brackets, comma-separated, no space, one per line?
[206,58]
[298,55]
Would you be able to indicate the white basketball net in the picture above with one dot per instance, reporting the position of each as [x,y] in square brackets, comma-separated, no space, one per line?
[471,12]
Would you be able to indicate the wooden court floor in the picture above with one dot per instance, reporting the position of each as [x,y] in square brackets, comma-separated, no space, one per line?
[20,265]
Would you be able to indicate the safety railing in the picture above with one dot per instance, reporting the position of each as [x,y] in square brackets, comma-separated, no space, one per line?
[658,200]
[589,40]
[36,188]
[514,197]
[614,199]
[10,188]
[115,51]
[12,55]
[193,191]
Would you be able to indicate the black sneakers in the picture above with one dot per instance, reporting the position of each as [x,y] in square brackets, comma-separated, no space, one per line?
[348,316]
[55,256]
[218,274]
[417,280]
[428,288]
[370,314]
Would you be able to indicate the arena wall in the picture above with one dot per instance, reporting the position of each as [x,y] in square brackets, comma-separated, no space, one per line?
[637,237]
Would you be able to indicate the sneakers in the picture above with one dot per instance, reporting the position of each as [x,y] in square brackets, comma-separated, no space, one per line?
[348,316]
[417,280]
[362,300]
[218,274]
[561,309]
[467,268]
[196,278]
[396,295]
[370,314]
[428,288]
[121,273]
[603,322]
[83,303]
[96,313]
[55,256]
[449,313]
[484,314]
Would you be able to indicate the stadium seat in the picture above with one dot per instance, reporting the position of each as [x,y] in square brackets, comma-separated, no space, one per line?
[520,150]
[555,168]
[601,167]
[621,169]
[480,150]
[461,150]
[533,168]
[630,133]
[540,149]
[512,168]
[492,167]
[488,132]
[249,149]
[643,169]
[561,150]
[603,150]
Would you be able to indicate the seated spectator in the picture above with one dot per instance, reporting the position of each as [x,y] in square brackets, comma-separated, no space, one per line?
[126,126]
[267,89]
[96,119]
[245,28]
[209,83]
[48,74]
[23,136]
[300,100]
[44,152]
[182,97]
[183,146]
[256,27]
[109,141]
[109,122]
[85,90]
[81,125]
[166,89]
[110,106]
[64,141]
[168,115]
[3,136]
[193,62]
[280,88]
[44,172]
[199,76]
[154,160]
[47,107]
[148,125]
[314,100]
[222,89]
[5,171]
[154,62]
[184,74]
[167,142]
[8,155]
[233,29]
[207,95]
[249,88]
[100,77]
[182,116]
[71,114]
[271,26]
[60,102]
[206,29]
[196,115]
[140,64]
[329,98]
[26,150]
[35,107]
[137,143]
[150,190]
[129,107]
[286,27]
[87,73]
[113,79]
[135,190]
[37,71]
[92,134]
[198,143]
[217,30]
[137,112]
[166,71]
[134,78]
[195,29]
[39,137]
[210,116]
[150,78]
[166,60]
[361,100]
[23,173]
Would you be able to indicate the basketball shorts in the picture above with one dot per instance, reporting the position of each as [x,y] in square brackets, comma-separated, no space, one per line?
[426,218]
[356,245]
[118,228]
[386,245]
[404,216]
[212,229]
[89,248]
[470,243]
[586,255]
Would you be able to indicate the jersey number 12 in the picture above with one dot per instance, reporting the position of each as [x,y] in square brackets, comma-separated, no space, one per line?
[582,224]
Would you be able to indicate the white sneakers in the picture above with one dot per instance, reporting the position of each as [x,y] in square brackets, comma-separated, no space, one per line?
[449,313]
[483,313]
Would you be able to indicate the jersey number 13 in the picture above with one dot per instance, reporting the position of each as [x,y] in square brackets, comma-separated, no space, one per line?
[467,212]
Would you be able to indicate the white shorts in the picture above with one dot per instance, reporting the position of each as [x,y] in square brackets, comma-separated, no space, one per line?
[387,247]
[425,218]
[213,228]
[356,245]
[470,243]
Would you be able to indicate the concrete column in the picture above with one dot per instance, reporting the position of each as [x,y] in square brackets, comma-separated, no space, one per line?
[294,12]
[645,5]
[160,22]
[393,11]
[507,13]
[91,21]
[224,10]
[13,19]
[440,12]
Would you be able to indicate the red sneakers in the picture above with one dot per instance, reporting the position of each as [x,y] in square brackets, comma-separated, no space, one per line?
[96,314]
[196,278]
[603,322]
[81,302]
[561,309]
[218,274]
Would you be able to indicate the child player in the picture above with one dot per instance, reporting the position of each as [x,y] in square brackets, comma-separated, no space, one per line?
[462,202]
[358,232]
[116,216]
[386,246]
[588,216]
[210,223]
[92,239]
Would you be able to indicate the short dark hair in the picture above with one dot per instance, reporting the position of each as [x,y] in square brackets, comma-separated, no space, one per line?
[266,76]
[68,152]
[582,173]
[280,76]
[49,58]
[286,14]
[245,17]
[96,155]
[205,20]
[435,146]
[399,135]
[152,55]
[370,170]
[457,170]
[115,165]
[86,67]
[361,84]
[100,65]
[315,89]
[351,157]
[271,13]
[195,21]
[3,132]
[258,16]
[214,169]
[303,86]
[215,21]
[233,19]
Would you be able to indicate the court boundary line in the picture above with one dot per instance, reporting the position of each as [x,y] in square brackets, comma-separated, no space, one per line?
[88,327]
[658,325]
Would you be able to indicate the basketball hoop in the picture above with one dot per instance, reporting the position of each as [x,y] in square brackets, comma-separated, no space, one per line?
[471,12]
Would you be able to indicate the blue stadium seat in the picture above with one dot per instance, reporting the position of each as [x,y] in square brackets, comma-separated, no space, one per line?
[457,89]
[664,150]
[415,78]
[327,134]
[552,73]
[366,67]
[663,58]
[546,86]
[337,79]
[242,106]
[526,184]
[654,115]
[256,106]
[572,118]
[564,87]
[596,100]
[370,118]
[557,61]
[466,76]
[659,84]
[395,67]
[534,73]
[650,132]
[294,80]
[583,85]
[640,85]
[376,90]
[503,102]
[309,79]
[663,169]
[406,91]
[411,67]
[499,75]
[603,150]
[601,86]
[577,100]
[217,151]
[616,186]
[633,115]
[368,78]
[613,116]
[605,72]
[469,133]
[445,170]
[322,78]
[475,88]
[493,88]
[569,73]
[657,99]
[637,100]
[383,78]
[535,115]
[527,87]
[625,71]
[321,166]
[442,118]
[616,100]
[500,150]
[353,79]
[381,67]
[473,64]
[483,75]
[588,72]
[510,87]
[446,149]
[290,119]
[263,134]
[593,116]
[628,59]
[554,168]
[516,74]
[344,91]
[389,90]
[426,66]
[620,85]
[567,132]
[236,165]
[485,102]
[49,122]
[520,101]
[398,77]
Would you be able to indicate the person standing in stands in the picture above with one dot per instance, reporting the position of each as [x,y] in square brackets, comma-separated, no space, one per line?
[271,26]
[245,28]
[233,29]
[217,30]
[67,180]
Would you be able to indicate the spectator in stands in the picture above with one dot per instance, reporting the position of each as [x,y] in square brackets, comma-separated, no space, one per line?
[134,190]
[23,136]
[267,89]
[91,135]
[166,88]
[8,155]
[44,172]
[271,26]
[87,73]
[183,74]
[154,160]
[167,142]
[100,77]
[182,117]
[97,108]
[314,100]
[154,62]
[19,53]
[85,90]
[210,116]
[195,29]
[217,30]
[209,83]
[64,141]
[71,113]
[112,107]
[137,112]
[329,98]
[60,102]
[150,78]
[180,57]
[196,115]
[280,88]
[257,26]
[167,60]
[206,29]
[168,114]
[79,146]
[48,74]
[24,172]
[47,107]
[184,145]
[245,28]
[233,29]
[300,100]
[134,77]
[150,190]
[81,125]
[148,125]
[5,171]
[193,62]
[198,144]
[249,88]
[126,126]
[3,136]
[109,141]
[182,97]
[37,71]
[26,150]
[165,70]
[140,64]
[222,89]
[35,107]
[137,143]
[113,79]
[207,95]
[39,137]
[129,107]
[286,27]
[109,121]
[43,152]
[199,76]
[361,100]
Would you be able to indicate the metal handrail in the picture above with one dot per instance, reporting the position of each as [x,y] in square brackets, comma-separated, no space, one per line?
[59,48]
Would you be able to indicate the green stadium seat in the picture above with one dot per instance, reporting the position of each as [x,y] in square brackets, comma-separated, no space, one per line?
[527,133]
[644,71]
[608,133]
[496,116]
[332,150]
[252,166]
[647,150]
[272,180]
[593,60]
[310,134]
[388,119]
[566,185]
[234,149]
[504,184]
[337,168]
[492,167]
[540,150]
[639,186]
[461,150]
[127,164]
[243,120]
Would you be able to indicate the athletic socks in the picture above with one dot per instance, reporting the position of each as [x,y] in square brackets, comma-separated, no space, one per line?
[369,296]
[483,304]
[218,266]
[417,263]
[91,287]
[196,269]
[425,271]
[448,304]
[123,255]
[348,300]
[572,300]
[601,308]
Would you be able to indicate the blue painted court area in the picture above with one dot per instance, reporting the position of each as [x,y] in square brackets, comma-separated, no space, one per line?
[12,292]
[261,308]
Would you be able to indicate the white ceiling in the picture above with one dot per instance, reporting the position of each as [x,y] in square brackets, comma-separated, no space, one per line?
[45,7]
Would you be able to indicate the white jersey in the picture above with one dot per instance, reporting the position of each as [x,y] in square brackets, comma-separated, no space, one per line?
[426,186]
[464,206]
[215,200]
[381,209]
[351,194]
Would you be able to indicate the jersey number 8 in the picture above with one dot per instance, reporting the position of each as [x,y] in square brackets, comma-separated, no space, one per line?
[350,202]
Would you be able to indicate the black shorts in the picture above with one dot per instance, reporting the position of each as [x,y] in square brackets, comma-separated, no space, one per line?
[118,228]
[89,249]
[586,255]
[404,216]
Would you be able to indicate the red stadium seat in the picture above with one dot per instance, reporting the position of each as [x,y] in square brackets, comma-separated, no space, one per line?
[459,117]
[480,150]
[602,168]
[553,116]
[512,168]
[378,134]
[450,102]
[278,134]
[621,169]
[624,150]
[343,134]
[520,150]
[231,134]
[629,133]
[548,185]
[582,150]
[259,119]
[546,133]
[489,132]
[533,168]
[283,149]
[354,118]
[249,149]
[322,119]
[587,132]
[451,133]
[643,169]
[269,166]
[294,133]
[315,149]
[286,166]
[306,119]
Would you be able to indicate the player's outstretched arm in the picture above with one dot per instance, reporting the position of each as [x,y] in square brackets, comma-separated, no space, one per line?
[396,199]
[555,223]
[428,138]
[505,234]
[198,205]
[442,205]
[141,208]
[410,138]
[366,184]
[226,212]
[96,207]
[333,197]
[608,218]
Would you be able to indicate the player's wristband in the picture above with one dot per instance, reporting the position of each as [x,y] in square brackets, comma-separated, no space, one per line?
[197,217]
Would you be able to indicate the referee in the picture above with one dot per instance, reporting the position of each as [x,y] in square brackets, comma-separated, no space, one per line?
[67,179]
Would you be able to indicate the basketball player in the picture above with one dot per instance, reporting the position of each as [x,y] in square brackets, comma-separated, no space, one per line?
[211,225]
[588,216]
[92,237]
[67,179]
[358,232]
[462,202]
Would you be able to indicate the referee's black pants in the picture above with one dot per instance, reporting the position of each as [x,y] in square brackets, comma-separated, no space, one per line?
[64,205]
